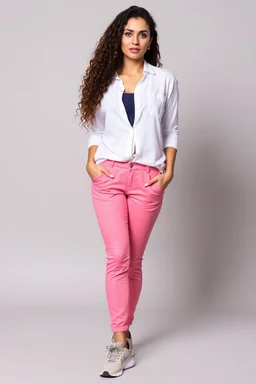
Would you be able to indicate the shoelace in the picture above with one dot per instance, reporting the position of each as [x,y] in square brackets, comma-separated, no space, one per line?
[114,354]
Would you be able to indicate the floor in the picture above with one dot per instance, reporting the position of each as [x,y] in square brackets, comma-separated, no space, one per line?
[67,346]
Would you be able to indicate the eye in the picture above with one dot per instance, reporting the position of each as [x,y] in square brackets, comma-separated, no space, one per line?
[144,35]
[127,33]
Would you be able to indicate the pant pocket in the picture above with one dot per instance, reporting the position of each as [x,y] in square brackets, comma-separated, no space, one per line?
[98,177]
[155,186]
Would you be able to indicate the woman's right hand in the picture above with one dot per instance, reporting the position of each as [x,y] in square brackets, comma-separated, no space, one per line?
[94,170]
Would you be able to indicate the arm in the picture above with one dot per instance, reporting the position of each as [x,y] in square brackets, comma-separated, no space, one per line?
[95,137]
[97,130]
[91,152]
[170,154]
[170,131]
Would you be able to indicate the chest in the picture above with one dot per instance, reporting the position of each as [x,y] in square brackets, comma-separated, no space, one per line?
[149,98]
[130,82]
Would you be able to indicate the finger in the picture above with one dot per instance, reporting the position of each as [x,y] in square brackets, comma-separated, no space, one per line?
[107,172]
[150,182]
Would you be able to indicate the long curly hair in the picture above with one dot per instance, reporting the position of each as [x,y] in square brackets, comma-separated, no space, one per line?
[108,58]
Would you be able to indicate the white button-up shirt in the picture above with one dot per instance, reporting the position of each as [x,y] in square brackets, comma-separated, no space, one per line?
[155,125]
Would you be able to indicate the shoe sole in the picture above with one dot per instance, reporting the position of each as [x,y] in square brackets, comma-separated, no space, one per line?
[129,364]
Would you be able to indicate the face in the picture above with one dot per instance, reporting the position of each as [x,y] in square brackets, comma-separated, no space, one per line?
[136,38]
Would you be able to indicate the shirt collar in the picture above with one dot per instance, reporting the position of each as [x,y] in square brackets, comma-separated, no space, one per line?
[146,68]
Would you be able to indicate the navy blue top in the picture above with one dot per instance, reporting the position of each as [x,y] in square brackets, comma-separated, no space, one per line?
[128,100]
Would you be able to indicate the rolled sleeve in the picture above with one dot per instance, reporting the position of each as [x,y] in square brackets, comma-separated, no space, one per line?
[170,129]
[96,131]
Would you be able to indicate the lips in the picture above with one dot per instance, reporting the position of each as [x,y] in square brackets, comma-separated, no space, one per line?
[134,50]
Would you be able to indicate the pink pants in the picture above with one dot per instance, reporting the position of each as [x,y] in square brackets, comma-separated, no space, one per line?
[126,211]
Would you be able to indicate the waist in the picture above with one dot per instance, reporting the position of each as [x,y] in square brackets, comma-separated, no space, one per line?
[127,164]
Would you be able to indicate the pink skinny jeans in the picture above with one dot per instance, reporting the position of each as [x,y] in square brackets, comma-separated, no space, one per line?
[126,211]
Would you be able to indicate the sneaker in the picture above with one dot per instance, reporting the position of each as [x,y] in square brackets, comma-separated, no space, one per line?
[118,359]
[129,340]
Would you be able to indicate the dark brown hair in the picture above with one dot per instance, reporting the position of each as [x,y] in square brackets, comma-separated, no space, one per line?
[108,58]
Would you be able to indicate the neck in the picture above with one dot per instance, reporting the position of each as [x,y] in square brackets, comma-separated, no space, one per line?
[131,67]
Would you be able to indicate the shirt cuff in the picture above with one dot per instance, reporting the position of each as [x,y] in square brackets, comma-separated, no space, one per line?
[94,139]
[171,141]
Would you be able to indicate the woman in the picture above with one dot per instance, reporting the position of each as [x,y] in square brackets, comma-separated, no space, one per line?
[131,105]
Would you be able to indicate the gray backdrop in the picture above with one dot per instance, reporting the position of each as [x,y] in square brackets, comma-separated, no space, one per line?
[202,249]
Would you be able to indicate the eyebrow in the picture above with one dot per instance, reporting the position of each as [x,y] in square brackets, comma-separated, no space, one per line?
[131,30]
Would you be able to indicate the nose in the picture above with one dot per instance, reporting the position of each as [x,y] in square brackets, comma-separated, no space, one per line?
[135,40]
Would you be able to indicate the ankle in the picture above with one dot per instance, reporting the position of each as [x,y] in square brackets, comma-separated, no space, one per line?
[128,334]
[120,337]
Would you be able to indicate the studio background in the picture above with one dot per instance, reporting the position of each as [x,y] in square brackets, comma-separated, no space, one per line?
[202,250]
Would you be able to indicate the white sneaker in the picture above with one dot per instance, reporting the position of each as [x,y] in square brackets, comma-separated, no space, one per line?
[118,359]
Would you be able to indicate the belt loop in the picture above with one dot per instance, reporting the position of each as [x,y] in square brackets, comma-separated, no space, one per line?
[113,162]
[148,169]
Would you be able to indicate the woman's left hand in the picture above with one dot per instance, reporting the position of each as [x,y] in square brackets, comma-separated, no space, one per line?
[163,180]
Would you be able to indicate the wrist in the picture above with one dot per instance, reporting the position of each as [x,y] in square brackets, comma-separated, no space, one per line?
[91,161]
[169,171]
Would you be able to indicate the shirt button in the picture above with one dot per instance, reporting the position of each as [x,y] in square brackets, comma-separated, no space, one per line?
[131,165]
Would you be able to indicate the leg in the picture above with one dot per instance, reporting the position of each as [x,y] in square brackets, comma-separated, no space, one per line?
[144,206]
[111,210]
